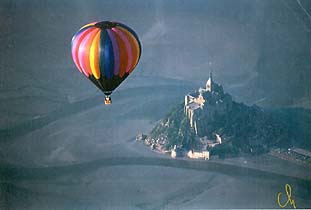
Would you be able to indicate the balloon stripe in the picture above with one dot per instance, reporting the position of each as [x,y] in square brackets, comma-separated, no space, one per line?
[84,52]
[123,53]
[75,48]
[89,24]
[94,56]
[116,52]
[134,34]
[109,58]
[134,47]
[102,59]
[78,33]
[127,47]
[88,50]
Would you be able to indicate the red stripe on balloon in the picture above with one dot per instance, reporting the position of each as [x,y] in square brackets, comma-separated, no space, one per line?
[75,47]
[84,52]
[134,49]
[128,48]
[86,45]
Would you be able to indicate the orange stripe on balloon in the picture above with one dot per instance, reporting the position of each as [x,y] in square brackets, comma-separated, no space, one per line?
[88,48]
[84,51]
[123,53]
[94,56]
[134,47]
[127,48]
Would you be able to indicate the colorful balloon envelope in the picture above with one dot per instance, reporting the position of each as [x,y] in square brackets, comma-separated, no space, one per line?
[106,53]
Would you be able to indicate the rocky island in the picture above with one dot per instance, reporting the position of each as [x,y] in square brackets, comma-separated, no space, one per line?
[209,123]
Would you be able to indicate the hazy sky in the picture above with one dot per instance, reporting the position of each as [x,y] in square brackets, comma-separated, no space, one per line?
[259,50]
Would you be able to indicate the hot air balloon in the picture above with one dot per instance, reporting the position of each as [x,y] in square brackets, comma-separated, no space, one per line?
[106,53]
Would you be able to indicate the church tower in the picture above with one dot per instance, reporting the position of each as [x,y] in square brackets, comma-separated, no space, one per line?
[209,82]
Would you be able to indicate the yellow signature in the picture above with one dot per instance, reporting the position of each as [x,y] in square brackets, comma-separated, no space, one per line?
[288,190]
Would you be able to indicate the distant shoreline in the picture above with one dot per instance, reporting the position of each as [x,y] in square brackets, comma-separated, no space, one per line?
[231,162]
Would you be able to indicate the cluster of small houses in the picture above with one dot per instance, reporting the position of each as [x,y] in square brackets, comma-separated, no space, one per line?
[177,151]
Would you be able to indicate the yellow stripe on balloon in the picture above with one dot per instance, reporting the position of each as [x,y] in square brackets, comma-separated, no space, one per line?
[133,43]
[89,24]
[94,56]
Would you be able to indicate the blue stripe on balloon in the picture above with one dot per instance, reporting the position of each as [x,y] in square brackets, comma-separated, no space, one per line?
[103,35]
[109,57]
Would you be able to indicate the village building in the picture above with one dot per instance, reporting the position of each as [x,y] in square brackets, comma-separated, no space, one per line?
[141,137]
[177,152]
[210,143]
[198,154]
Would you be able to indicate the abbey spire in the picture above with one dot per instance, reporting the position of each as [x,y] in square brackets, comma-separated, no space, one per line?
[209,82]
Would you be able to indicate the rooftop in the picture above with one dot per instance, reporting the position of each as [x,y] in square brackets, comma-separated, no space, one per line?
[193,106]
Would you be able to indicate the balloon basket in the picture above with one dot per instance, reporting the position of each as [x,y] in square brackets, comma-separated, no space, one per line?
[107,100]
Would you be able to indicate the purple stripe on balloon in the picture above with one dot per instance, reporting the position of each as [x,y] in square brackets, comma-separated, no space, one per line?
[116,52]
[128,48]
